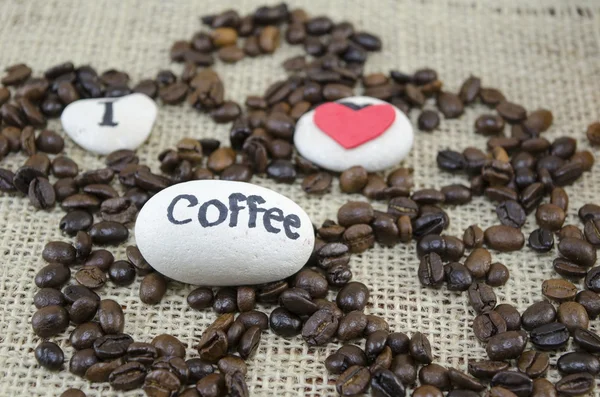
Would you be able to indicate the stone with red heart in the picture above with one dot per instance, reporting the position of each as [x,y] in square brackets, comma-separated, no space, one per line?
[354,131]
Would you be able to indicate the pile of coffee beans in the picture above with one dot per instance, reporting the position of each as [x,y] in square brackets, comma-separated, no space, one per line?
[521,174]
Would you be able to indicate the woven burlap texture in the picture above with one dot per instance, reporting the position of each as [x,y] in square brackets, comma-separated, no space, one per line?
[540,53]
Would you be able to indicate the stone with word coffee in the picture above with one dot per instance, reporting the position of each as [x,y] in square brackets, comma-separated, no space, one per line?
[103,125]
[213,232]
[354,131]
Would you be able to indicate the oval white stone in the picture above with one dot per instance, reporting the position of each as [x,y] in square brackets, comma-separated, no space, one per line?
[86,121]
[223,254]
[383,152]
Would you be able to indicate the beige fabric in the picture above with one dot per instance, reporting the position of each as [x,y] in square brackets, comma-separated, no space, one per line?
[540,53]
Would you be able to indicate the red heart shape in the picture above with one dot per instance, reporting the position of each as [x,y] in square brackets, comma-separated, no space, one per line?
[351,128]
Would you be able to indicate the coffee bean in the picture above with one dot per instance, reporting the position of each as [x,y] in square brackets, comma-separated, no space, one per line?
[49,355]
[457,276]
[478,262]
[320,327]
[576,384]
[593,133]
[49,321]
[481,297]
[427,391]
[352,325]
[559,290]
[83,310]
[121,273]
[73,293]
[404,368]
[518,383]
[577,250]
[111,317]
[152,288]
[541,240]
[573,316]
[128,376]
[81,361]
[428,120]
[576,362]
[504,238]
[550,336]
[487,325]
[510,213]
[48,297]
[53,275]
[592,232]
[119,209]
[534,364]
[91,277]
[84,335]
[431,270]
[353,296]
[450,105]
[590,301]
[355,380]
[507,345]
[543,387]
[285,323]
[420,348]
[100,372]
[434,375]
[112,346]
[570,231]
[108,232]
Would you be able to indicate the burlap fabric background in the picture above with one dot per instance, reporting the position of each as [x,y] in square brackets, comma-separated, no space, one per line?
[540,53]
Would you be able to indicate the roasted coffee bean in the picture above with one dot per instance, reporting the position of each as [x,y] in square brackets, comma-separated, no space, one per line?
[49,321]
[112,346]
[384,383]
[578,251]
[507,345]
[152,288]
[590,301]
[284,323]
[456,194]
[587,340]
[487,325]
[504,238]
[83,310]
[538,314]
[559,290]
[533,363]
[573,316]
[108,232]
[486,369]
[420,348]
[518,383]
[58,251]
[128,376]
[48,297]
[355,212]
[249,341]
[73,293]
[101,259]
[100,372]
[49,355]
[434,375]
[473,237]
[550,216]
[404,367]
[312,281]
[403,206]
[81,361]
[576,384]
[510,213]
[352,325]
[570,231]
[550,336]
[76,221]
[511,316]
[6,180]
[542,387]
[355,380]
[252,318]
[144,353]
[576,362]
[353,296]
[317,183]
[359,238]
[463,381]
[122,273]
[489,124]
[110,316]
[497,275]
[428,120]
[481,297]
[567,173]
[450,160]
[427,391]
[82,201]
[541,240]
[431,270]
[320,328]
[53,275]
[478,262]
[64,167]
[457,276]
[450,105]
[225,301]
[200,298]
[592,232]
[91,277]
[298,301]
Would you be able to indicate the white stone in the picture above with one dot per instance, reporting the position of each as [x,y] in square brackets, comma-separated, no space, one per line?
[383,152]
[133,114]
[223,254]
